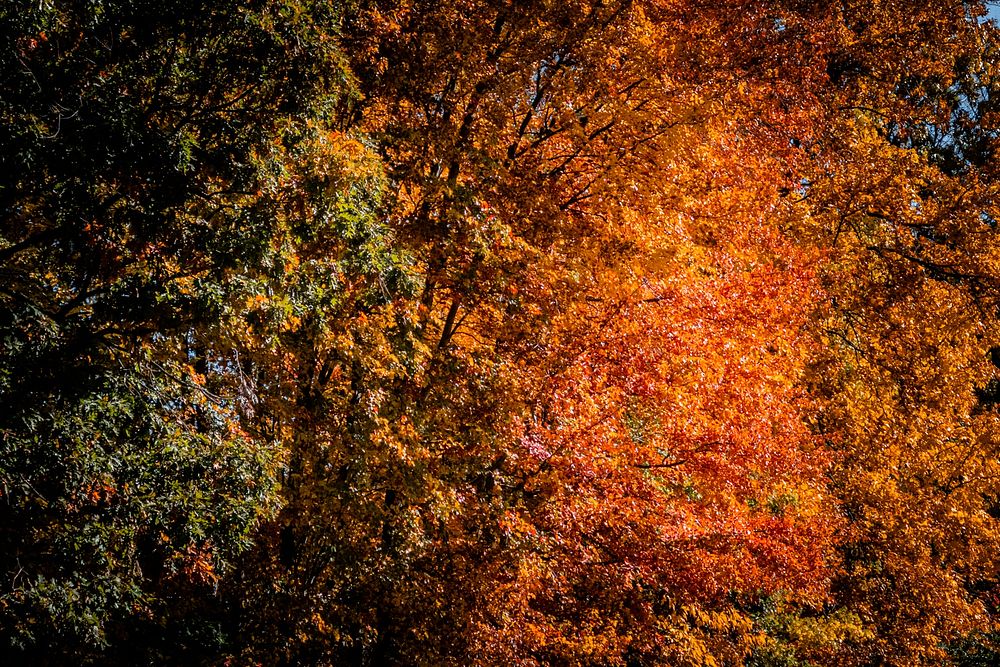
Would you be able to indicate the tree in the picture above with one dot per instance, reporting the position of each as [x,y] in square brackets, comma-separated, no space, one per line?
[138,193]
[448,426]
[902,196]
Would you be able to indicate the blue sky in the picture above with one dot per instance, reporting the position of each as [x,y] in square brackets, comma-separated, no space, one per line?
[994,8]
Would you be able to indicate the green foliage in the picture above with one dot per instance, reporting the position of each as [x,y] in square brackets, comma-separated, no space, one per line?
[117,486]
[803,638]
[979,650]
[140,185]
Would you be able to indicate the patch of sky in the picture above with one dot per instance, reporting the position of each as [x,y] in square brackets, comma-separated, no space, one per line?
[993,11]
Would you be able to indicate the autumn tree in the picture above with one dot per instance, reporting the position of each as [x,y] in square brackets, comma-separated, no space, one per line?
[902,195]
[474,333]
[535,430]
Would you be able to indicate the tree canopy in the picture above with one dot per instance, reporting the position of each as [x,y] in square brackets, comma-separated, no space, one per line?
[602,332]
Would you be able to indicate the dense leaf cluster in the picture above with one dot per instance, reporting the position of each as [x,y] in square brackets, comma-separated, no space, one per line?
[479,333]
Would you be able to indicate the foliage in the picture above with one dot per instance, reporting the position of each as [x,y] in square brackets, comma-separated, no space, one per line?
[472,333]
[139,197]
